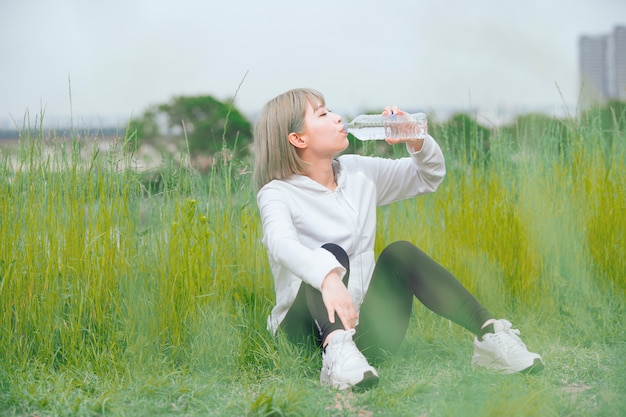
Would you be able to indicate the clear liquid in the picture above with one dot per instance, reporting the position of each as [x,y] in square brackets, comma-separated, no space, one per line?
[367,132]
[377,127]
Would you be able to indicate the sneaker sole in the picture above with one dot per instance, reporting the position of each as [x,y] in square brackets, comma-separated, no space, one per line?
[369,380]
[535,368]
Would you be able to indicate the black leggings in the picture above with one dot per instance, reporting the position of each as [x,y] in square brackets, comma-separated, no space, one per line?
[402,271]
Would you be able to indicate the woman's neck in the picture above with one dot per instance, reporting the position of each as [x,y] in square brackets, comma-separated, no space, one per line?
[322,172]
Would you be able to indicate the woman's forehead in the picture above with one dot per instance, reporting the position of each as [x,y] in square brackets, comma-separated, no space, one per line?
[315,103]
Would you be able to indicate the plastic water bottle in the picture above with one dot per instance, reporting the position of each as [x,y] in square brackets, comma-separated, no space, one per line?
[394,126]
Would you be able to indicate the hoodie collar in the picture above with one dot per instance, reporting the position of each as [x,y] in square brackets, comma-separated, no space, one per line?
[302,181]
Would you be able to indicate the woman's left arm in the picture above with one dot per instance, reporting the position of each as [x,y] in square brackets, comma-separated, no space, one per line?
[420,173]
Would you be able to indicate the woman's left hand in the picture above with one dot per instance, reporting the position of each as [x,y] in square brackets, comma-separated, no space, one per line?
[416,144]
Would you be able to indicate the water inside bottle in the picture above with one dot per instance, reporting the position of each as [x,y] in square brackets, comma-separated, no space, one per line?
[406,126]
[376,127]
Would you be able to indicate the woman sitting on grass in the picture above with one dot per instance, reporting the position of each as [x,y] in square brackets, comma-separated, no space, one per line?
[319,223]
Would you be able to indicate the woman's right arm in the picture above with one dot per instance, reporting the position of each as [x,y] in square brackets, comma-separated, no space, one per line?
[283,244]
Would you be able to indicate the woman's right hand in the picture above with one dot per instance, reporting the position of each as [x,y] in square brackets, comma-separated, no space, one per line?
[337,299]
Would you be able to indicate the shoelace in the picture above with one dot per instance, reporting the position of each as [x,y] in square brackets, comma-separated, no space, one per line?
[509,339]
[338,350]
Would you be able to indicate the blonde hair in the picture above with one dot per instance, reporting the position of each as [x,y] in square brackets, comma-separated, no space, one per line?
[275,157]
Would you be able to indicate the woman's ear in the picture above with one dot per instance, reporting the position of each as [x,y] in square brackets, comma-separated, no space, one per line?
[297,140]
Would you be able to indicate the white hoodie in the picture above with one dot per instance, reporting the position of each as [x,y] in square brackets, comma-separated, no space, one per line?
[299,215]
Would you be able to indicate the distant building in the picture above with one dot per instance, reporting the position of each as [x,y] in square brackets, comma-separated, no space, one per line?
[619,37]
[602,63]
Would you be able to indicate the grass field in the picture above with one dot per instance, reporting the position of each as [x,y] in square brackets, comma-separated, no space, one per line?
[146,294]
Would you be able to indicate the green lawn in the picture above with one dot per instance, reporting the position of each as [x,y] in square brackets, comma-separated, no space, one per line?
[129,294]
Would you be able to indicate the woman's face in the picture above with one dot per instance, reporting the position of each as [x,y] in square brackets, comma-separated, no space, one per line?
[324,132]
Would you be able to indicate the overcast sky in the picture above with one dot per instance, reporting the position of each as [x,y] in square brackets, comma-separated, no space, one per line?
[121,56]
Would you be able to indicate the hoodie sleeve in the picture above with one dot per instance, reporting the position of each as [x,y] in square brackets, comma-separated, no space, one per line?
[283,246]
[398,179]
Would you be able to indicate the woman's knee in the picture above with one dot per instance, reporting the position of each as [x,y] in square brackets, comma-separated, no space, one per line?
[403,256]
[401,248]
[403,244]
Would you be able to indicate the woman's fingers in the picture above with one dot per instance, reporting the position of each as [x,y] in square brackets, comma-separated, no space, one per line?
[345,311]
[348,316]
[338,301]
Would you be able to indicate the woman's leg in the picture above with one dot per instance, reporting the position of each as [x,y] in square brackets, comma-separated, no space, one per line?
[401,272]
[343,366]
[308,318]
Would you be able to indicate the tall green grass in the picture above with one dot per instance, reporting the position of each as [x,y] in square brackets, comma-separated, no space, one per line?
[121,297]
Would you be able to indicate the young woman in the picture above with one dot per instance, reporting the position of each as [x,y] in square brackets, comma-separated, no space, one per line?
[319,221]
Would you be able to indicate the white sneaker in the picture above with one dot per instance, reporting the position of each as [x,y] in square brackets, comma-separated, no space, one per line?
[344,366]
[504,352]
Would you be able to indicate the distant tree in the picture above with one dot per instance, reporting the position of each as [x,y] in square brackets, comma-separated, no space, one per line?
[208,124]
[142,128]
[607,124]
[463,139]
[613,116]
[539,131]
